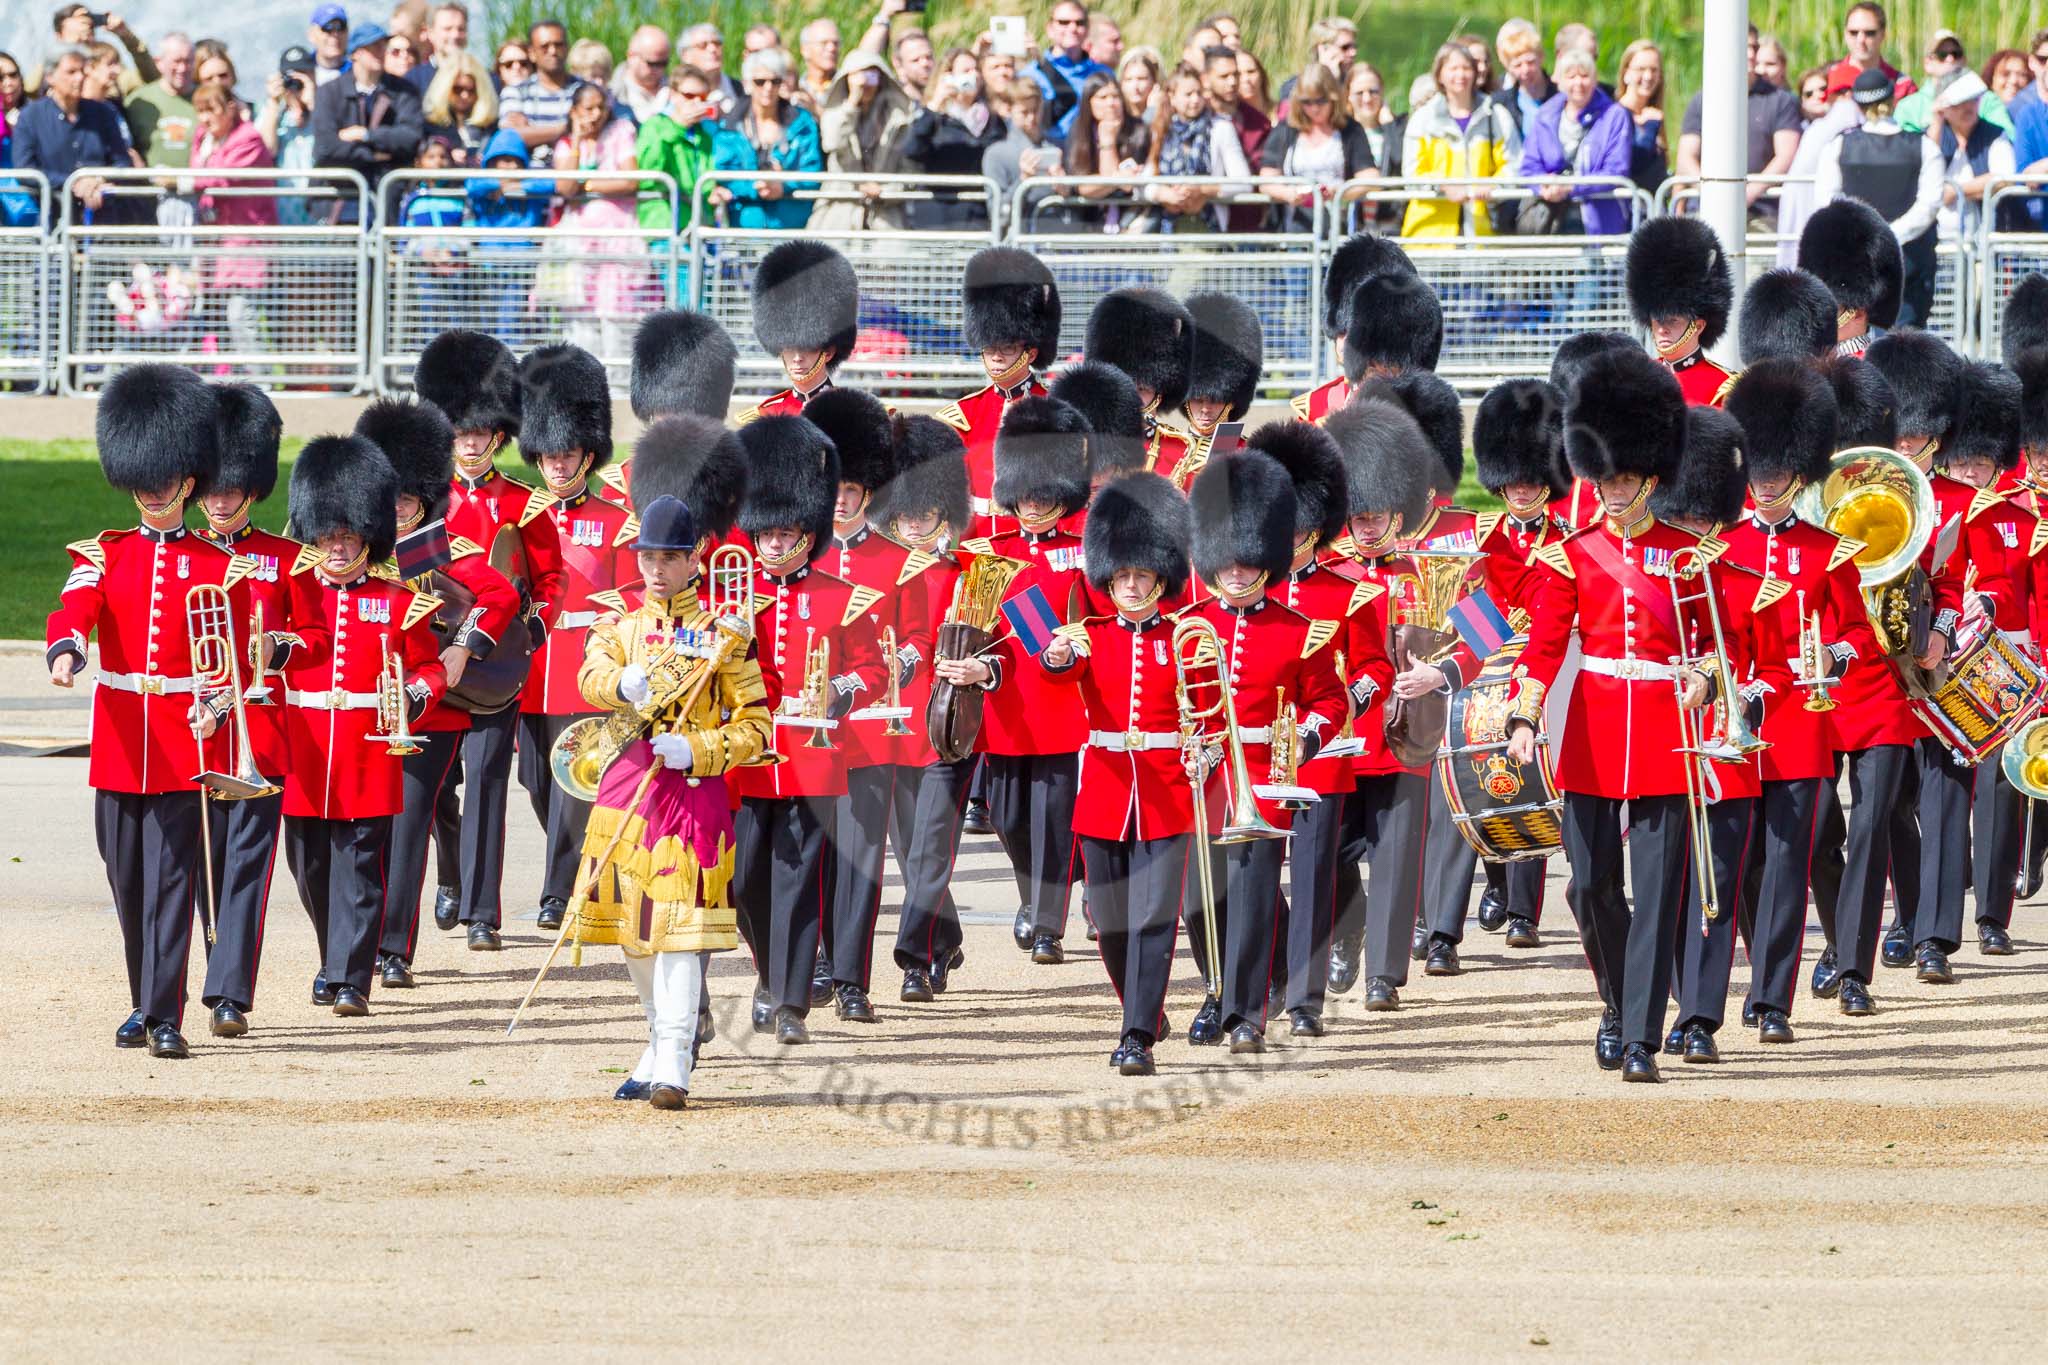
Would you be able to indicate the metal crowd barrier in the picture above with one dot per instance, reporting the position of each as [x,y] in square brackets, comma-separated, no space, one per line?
[910,342]
[154,274]
[28,269]
[2007,256]
[588,279]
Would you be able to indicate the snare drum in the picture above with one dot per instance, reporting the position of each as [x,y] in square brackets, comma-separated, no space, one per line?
[1993,688]
[1505,810]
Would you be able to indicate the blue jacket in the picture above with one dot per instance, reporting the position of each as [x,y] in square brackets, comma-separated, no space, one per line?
[1065,96]
[799,150]
[1605,148]
[490,205]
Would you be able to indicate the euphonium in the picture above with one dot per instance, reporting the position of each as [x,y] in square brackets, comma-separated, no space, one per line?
[2025,760]
[1880,498]
[1198,666]
[394,721]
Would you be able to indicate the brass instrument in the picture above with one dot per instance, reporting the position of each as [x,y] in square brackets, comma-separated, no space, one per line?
[1283,785]
[892,708]
[1813,661]
[952,715]
[1198,666]
[1418,631]
[2025,760]
[586,748]
[259,670]
[1881,498]
[210,630]
[394,724]
[815,700]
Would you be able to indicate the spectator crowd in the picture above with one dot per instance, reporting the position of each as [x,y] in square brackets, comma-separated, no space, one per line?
[1195,137]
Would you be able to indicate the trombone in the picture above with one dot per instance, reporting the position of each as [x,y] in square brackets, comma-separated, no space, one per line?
[394,725]
[210,635]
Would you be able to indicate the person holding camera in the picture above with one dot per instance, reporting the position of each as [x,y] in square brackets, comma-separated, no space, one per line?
[862,124]
[949,137]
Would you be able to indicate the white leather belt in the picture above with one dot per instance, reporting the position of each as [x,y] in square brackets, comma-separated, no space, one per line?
[1631,669]
[1254,734]
[576,620]
[151,684]
[1133,741]
[337,700]
[981,506]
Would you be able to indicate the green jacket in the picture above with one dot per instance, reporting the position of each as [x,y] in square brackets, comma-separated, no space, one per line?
[1915,113]
[685,153]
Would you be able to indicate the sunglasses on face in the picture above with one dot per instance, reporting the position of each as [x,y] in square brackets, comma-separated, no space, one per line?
[1313,101]
[335,26]
[1864,32]
[1948,54]
[462,88]
[761,82]
[514,64]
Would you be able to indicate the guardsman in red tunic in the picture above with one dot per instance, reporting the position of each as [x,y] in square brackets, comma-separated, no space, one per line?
[1135,810]
[806,315]
[1032,728]
[1518,442]
[156,431]
[416,438]
[1579,506]
[1359,258]
[1390,479]
[1854,252]
[1680,289]
[859,428]
[2026,348]
[475,381]
[819,660]
[1223,378]
[565,432]
[1810,595]
[286,605]
[1148,335]
[922,507]
[1278,664]
[1012,321]
[1624,428]
[1787,314]
[345,783]
[700,462]
[1108,401]
[1355,651]
[683,366]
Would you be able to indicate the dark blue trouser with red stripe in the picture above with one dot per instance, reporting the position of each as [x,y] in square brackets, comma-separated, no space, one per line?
[244,855]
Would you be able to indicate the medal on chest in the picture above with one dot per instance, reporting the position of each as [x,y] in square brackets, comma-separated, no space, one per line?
[1159,652]
[2009,533]
[373,610]
[589,533]
[184,566]
[803,606]
[1792,559]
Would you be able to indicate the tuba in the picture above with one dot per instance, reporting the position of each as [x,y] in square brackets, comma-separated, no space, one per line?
[952,717]
[1880,498]
[586,748]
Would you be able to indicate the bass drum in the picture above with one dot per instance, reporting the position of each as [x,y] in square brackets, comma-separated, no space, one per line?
[495,681]
[1505,810]
[1990,689]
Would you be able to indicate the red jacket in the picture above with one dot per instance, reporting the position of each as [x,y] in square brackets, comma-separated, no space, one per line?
[2006,553]
[596,542]
[1166,452]
[977,417]
[129,588]
[1621,733]
[289,604]
[1132,783]
[337,772]
[869,559]
[477,511]
[1318,403]
[1818,573]
[1703,383]
[1028,712]
[1578,508]
[494,613]
[791,614]
[787,403]
[1358,654]
[1270,651]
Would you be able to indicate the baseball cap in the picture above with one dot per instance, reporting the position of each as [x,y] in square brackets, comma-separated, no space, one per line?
[295,58]
[327,14]
[1944,35]
[1871,87]
[1966,88]
[365,36]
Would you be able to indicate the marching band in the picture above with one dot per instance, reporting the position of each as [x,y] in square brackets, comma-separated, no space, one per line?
[1278,688]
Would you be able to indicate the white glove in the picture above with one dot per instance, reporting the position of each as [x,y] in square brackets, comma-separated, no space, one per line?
[673,751]
[633,685]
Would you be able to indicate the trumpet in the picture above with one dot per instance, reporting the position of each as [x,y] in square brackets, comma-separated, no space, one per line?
[394,724]
[1283,771]
[210,630]
[1813,661]
[259,670]
[893,701]
[817,691]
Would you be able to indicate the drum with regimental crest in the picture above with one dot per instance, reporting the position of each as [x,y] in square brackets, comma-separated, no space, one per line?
[1505,810]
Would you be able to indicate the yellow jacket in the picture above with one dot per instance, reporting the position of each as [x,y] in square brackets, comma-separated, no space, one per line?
[1488,145]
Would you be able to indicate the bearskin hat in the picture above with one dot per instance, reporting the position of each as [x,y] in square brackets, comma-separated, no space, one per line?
[1138,521]
[249,432]
[1853,251]
[2025,324]
[1926,379]
[419,444]
[696,460]
[1626,415]
[157,425]
[1867,412]
[1316,467]
[931,472]
[1041,455]
[2031,365]
[1786,313]
[1518,436]
[474,379]
[1230,351]
[858,425]
[1396,323]
[1244,514]
[1576,351]
[1787,409]
[1108,400]
[1148,335]
[682,362]
[1711,482]
[1359,258]
[565,404]
[1988,423]
[806,298]
[792,478]
[1388,465]
[1010,299]
[1677,269]
[1434,406]
[344,483]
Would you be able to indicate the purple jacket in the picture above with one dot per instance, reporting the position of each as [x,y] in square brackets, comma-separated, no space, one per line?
[1603,150]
